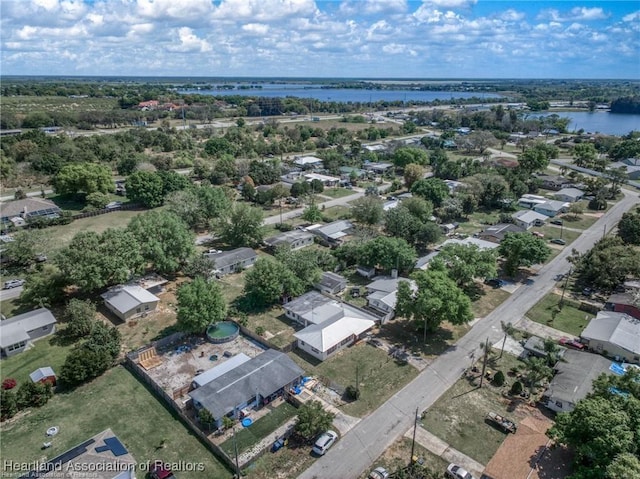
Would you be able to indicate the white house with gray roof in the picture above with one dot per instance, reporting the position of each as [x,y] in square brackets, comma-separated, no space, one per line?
[129,301]
[332,233]
[573,379]
[19,211]
[330,325]
[382,295]
[252,383]
[528,219]
[233,261]
[18,332]
[552,208]
[295,239]
[570,195]
[617,334]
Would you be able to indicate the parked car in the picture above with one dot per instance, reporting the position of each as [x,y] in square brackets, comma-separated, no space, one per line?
[379,473]
[558,241]
[571,343]
[212,251]
[556,222]
[456,472]
[41,258]
[324,442]
[538,234]
[13,283]
[160,470]
[495,282]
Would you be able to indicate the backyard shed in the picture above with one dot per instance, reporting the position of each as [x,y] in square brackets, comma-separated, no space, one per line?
[43,375]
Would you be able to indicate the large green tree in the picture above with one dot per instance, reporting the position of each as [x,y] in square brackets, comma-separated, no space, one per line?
[200,303]
[367,210]
[269,281]
[434,190]
[522,249]
[387,253]
[608,264]
[313,419]
[436,299]
[412,173]
[467,262]
[307,264]
[165,240]
[241,225]
[629,227]
[26,245]
[80,318]
[146,188]
[407,155]
[84,178]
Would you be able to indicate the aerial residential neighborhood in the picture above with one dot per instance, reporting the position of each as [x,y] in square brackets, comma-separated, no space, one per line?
[364,264]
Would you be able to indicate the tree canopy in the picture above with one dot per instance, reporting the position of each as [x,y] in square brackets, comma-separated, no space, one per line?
[629,227]
[434,190]
[84,178]
[146,188]
[522,249]
[313,419]
[240,225]
[387,253]
[368,210]
[269,281]
[466,262]
[200,303]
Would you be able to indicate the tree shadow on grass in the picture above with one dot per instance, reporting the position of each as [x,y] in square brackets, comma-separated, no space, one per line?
[405,334]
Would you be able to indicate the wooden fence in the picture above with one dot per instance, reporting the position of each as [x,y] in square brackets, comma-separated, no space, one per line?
[104,211]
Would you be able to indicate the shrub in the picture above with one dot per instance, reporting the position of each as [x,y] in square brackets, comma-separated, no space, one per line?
[9,383]
[516,389]
[259,330]
[352,392]
[8,404]
[33,394]
[227,422]
[498,378]
[284,227]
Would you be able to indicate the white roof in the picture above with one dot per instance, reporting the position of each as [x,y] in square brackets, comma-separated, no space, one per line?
[552,205]
[217,371]
[529,216]
[619,329]
[480,243]
[574,192]
[317,176]
[127,297]
[385,289]
[307,160]
[325,335]
[41,373]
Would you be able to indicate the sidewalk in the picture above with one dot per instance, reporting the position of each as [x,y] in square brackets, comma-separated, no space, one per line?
[540,330]
[440,448]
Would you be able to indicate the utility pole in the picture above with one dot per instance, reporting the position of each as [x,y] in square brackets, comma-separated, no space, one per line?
[484,361]
[413,441]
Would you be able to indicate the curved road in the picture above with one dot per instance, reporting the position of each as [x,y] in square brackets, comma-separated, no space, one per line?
[361,446]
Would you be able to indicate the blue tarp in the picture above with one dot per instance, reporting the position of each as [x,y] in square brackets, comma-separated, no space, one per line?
[617,369]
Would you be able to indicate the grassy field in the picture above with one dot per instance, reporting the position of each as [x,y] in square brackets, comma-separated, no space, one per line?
[117,400]
[337,192]
[287,462]
[569,318]
[260,429]
[337,212]
[9,307]
[582,222]
[409,335]
[488,301]
[45,352]
[29,104]
[458,416]
[379,375]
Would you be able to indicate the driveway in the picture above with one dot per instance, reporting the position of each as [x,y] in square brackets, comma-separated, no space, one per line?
[368,439]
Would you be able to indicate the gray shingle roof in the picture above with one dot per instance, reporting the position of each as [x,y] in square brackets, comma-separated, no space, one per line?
[287,237]
[127,297]
[14,330]
[264,375]
[32,206]
[229,258]
[331,280]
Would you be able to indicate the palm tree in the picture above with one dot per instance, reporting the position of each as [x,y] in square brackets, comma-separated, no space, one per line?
[553,351]
[508,330]
[536,370]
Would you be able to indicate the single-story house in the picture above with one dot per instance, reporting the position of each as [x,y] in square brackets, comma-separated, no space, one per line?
[295,239]
[496,233]
[632,168]
[215,372]
[423,261]
[448,228]
[326,180]
[332,233]
[573,379]
[531,201]
[331,283]
[528,219]
[253,383]
[346,172]
[330,325]
[389,205]
[28,208]
[623,303]
[382,295]
[614,335]
[232,261]
[129,301]
[570,195]
[18,332]
[378,168]
[374,148]
[552,208]
[481,244]
[552,182]
[308,162]
[534,346]
[453,185]
[101,457]
[44,375]
[366,271]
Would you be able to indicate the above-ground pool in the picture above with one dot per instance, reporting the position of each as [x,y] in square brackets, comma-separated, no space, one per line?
[222,332]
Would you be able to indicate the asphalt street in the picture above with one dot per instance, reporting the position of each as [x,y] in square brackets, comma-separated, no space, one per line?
[359,448]
[10,293]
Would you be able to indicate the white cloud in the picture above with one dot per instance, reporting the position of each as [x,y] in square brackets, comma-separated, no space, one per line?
[259,29]
[576,13]
[511,15]
[450,3]
[263,10]
[188,42]
[173,9]
[371,7]
[631,17]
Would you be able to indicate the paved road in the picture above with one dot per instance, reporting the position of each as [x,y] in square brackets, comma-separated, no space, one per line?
[30,194]
[359,448]
[10,293]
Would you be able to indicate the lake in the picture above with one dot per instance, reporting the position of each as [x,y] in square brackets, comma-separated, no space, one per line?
[342,95]
[600,122]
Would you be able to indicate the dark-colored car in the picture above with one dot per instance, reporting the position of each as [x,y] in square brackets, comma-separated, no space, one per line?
[558,241]
[495,282]
[556,222]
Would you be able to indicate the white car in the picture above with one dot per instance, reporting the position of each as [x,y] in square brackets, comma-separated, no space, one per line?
[456,472]
[379,473]
[324,442]
[13,283]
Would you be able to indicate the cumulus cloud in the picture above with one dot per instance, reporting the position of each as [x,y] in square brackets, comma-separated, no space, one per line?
[576,13]
[263,10]
[188,42]
[631,17]
[371,7]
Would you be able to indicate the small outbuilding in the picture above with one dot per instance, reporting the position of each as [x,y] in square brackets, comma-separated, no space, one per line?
[44,375]
[331,283]
[130,301]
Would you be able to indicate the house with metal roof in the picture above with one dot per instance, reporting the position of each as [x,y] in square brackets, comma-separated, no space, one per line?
[20,211]
[496,233]
[332,233]
[295,239]
[233,261]
[129,301]
[528,219]
[103,456]
[573,379]
[552,208]
[382,295]
[308,162]
[18,332]
[614,335]
[570,195]
[215,372]
[531,201]
[624,303]
[253,383]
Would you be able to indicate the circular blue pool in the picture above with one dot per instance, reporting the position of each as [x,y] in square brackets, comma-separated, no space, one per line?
[222,332]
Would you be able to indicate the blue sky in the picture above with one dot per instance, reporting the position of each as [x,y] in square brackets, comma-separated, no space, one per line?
[341,38]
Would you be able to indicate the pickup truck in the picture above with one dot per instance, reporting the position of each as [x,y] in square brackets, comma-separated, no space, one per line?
[507,425]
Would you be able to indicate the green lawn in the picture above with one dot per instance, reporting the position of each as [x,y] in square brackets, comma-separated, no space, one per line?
[379,375]
[458,416]
[337,212]
[337,192]
[410,335]
[551,231]
[45,352]
[9,307]
[287,462]
[488,301]
[260,429]
[582,222]
[117,400]
[569,319]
